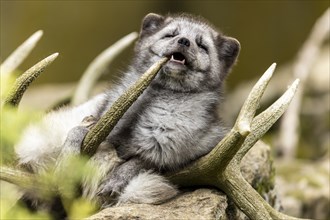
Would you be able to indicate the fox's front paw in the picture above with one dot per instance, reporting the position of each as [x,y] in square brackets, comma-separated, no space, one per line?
[111,188]
[88,121]
[115,182]
[73,141]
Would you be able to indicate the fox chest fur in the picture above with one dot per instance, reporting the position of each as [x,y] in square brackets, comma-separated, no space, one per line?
[167,127]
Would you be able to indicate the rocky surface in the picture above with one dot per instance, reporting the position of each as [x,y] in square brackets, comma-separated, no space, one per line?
[199,204]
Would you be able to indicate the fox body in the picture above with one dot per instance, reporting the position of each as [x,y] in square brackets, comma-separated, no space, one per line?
[175,121]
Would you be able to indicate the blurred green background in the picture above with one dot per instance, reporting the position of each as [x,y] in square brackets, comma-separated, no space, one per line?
[269,31]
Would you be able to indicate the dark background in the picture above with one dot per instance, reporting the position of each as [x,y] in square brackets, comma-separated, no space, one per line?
[269,31]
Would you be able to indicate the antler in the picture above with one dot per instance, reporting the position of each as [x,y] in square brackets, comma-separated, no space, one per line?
[98,66]
[23,82]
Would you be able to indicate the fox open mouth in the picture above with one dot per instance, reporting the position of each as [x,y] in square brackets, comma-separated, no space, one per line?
[179,58]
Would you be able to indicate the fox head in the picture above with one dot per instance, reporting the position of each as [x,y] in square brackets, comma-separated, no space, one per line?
[200,57]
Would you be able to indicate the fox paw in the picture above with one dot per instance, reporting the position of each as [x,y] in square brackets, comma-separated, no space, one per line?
[110,190]
[111,187]
[88,121]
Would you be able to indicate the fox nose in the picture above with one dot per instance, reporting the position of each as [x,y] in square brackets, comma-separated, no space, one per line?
[184,41]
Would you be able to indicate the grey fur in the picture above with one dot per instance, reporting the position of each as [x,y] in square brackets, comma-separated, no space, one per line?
[174,122]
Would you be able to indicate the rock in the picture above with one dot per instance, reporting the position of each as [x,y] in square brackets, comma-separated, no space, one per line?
[199,204]
[205,203]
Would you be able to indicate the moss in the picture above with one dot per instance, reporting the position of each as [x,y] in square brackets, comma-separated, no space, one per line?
[266,184]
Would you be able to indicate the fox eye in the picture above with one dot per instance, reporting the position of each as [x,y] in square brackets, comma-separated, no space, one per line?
[200,44]
[169,35]
[203,47]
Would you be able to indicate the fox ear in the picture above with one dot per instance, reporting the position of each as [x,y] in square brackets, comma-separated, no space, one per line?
[151,23]
[228,49]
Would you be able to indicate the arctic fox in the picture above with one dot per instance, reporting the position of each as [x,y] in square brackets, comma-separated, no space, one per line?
[175,121]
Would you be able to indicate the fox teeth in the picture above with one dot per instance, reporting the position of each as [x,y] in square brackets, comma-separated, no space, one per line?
[178,61]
